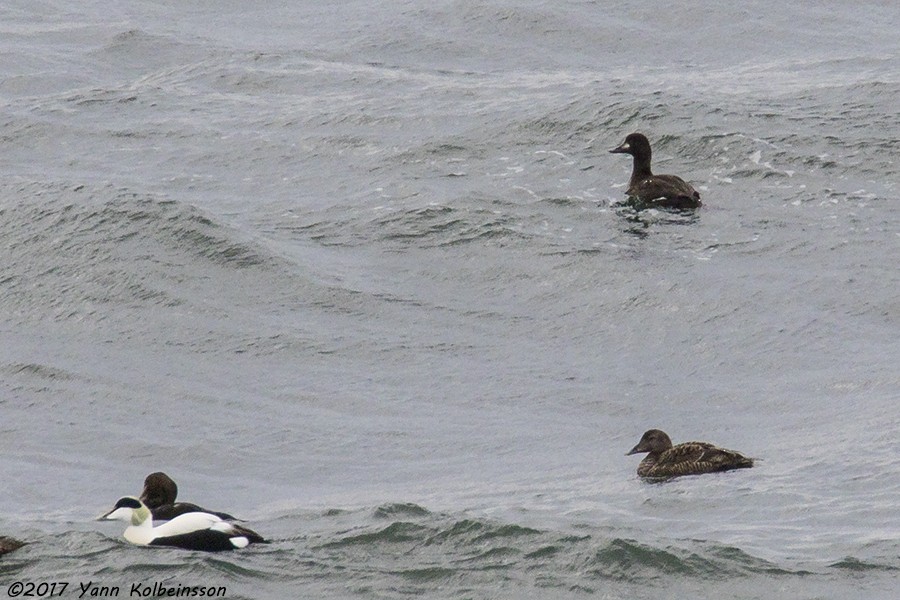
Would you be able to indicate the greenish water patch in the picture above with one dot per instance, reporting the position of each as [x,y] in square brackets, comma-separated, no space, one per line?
[628,560]
[391,511]
[852,563]
[543,552]
[480,532]
[740,560]
[398,532]
[426,574]
[494,554]
[506,531]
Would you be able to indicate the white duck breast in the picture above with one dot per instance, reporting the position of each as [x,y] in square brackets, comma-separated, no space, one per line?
[192,531]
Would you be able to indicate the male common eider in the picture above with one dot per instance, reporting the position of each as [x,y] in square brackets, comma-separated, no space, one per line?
[159,496]
[691,458]
[191,531]
[647,189]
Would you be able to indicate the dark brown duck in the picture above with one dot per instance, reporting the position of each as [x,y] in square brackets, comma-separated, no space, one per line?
[690,458]
[159,496]
[8,544]
[669,191]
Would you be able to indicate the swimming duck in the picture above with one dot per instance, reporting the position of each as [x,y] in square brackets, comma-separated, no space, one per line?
[8,544]
[159,496]
[645,188]
[690,458]
[191,531]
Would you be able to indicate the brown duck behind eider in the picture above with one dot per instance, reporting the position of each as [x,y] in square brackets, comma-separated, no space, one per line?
[690,458]
[647,189]
[159,496]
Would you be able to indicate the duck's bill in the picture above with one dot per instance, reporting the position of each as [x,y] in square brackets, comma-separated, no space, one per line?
[111,515]
[621,149]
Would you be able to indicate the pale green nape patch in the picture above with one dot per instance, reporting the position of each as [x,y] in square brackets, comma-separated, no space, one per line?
[139,515]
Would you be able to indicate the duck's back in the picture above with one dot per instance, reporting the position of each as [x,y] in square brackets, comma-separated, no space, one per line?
[664,190]
[692,458]
[167,512]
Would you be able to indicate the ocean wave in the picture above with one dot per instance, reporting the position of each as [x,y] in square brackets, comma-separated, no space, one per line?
[393,511]
[853,564]
[444,547]
[73,248]
[429,226]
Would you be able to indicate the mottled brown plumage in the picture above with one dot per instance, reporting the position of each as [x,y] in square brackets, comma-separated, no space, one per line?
[690,458]
[647,189]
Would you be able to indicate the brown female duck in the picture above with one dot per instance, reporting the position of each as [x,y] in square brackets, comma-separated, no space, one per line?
[690,458]
[647,189]
[159,496]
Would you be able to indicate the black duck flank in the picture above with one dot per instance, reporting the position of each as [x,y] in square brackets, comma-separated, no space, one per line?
[647,189]
[690,458]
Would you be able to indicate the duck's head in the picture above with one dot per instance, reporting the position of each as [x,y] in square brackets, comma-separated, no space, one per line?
[636,144]
[128,509]
[653,440]
[159,489]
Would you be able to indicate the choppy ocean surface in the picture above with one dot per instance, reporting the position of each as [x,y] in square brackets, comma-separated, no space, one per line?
[360,274]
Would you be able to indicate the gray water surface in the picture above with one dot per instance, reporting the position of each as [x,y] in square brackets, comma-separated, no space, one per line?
[361,275]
